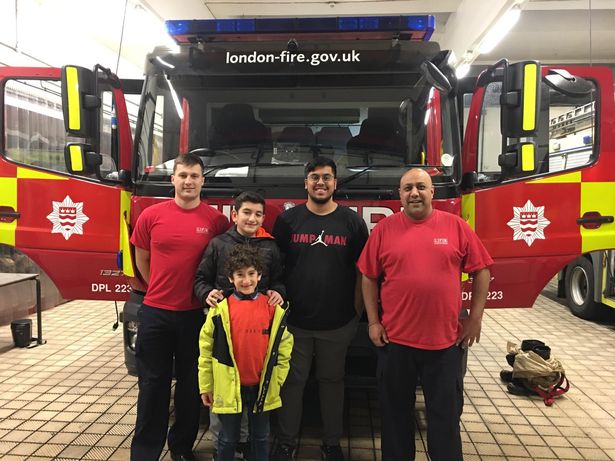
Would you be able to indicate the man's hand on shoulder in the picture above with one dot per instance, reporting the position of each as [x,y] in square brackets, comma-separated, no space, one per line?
[378,334]
[275,298]
[470,332]
[214,297]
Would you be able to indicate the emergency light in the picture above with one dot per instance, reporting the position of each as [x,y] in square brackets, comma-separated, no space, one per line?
[381,27]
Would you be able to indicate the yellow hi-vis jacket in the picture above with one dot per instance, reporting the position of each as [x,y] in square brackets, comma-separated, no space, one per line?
[218,371]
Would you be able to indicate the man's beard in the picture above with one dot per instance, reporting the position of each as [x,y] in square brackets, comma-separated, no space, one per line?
[321,201]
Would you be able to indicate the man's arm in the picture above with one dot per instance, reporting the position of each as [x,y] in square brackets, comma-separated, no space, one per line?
[472,325]
[142,260]
[376,331]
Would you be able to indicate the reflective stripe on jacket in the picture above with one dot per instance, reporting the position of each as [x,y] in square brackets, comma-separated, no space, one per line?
[218,371]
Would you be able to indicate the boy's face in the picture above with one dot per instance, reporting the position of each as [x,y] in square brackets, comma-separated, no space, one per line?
[245,280]
[249,218]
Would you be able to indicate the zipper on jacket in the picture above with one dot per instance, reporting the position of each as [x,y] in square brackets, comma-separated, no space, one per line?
[260,402]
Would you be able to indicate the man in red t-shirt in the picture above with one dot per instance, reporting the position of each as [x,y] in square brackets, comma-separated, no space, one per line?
[413,262]
[169,239]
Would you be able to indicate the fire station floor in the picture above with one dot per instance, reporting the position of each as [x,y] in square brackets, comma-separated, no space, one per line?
[72,399]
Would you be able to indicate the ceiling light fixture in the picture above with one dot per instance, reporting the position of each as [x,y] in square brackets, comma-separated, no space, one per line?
[499,30]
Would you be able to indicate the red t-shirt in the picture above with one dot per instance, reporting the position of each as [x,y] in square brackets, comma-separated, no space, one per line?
[250,323]
[421,264]
[176,239]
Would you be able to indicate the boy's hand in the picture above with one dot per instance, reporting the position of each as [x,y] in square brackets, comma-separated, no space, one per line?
[275,298]
[213,297]
[207,399]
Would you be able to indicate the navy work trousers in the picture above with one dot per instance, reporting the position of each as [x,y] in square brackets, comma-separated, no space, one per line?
[399,368]
[163,336]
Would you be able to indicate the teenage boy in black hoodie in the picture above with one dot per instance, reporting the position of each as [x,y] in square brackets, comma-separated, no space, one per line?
[211,283]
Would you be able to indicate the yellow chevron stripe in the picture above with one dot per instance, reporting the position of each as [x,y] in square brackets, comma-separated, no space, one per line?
[559,179]
[26,173]
[124,244]
[8,198]
[598,196]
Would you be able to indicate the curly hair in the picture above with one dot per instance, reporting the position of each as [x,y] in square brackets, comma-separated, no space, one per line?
[242,257]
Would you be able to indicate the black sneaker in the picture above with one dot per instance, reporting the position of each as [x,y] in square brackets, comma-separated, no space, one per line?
[283,452]
[331,453]
[242,450]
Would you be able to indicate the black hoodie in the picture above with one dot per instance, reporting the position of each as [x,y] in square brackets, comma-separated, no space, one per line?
[211,275]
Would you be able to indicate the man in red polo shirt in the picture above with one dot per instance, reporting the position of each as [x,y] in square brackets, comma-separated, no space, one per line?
[419,255]
[169,239]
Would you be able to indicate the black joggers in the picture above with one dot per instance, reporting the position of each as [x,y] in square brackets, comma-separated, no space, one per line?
[440,373]
[164,335]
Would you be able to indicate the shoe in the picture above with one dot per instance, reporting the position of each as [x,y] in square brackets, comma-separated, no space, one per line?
[188,456]
[242,450]
[331,453]
[506,376]
[518,389]
[283,452]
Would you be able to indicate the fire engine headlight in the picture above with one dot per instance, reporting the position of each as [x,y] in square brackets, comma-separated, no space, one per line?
[132,328]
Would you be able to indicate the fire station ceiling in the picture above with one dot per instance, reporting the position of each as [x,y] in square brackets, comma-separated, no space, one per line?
[552,31]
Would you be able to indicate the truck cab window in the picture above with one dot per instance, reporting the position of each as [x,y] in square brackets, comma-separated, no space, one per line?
[565,137]
[33,124]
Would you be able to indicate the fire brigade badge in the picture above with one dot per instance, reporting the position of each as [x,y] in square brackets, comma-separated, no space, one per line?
[67,218]
[528,223]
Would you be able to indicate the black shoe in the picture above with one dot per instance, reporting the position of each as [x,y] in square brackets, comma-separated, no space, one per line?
[283,452]
[331,453]
[518,389]
[188,456]
[242,450]
[506,376]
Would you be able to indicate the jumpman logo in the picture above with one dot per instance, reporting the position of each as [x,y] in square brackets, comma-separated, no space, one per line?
[319,239]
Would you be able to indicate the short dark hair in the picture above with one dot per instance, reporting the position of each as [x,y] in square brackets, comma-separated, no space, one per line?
[318,162]
[188,160]
[251,197]
[242,257]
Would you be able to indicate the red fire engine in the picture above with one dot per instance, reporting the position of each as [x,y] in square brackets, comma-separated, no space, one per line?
[257,98]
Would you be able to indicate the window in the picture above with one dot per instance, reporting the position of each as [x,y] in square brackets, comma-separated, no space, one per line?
[33,123]
[565,137]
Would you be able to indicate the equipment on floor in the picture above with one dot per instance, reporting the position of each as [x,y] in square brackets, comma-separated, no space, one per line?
[22,332]
[535,371]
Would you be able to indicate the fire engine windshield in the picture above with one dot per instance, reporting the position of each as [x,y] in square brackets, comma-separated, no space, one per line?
[254,119]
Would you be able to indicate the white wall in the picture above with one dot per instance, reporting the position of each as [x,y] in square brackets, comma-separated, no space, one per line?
[82,32]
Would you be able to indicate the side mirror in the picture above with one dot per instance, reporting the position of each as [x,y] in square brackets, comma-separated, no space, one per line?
[520,99]
[518,158]
[80,102]
[80,159]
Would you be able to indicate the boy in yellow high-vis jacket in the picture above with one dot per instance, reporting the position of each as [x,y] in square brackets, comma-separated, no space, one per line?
[245,353]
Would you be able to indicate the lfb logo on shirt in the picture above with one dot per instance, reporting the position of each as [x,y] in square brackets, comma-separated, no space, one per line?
[202,230]
[440,241]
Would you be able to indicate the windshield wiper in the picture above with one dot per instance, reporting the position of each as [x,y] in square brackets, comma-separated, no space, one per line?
[359,173]
[213,168]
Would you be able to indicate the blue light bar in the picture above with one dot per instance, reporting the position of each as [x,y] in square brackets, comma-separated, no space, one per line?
[405,27]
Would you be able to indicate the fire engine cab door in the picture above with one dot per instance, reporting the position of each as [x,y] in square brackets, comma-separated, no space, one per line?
[68,224]
[525,204]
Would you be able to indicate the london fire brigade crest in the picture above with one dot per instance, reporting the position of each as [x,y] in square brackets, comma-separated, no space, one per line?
[528,223]
[67,218]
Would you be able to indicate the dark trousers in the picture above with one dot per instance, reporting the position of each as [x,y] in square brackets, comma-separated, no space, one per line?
[164,335]
[399,367]
[328,350]
[258,424]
